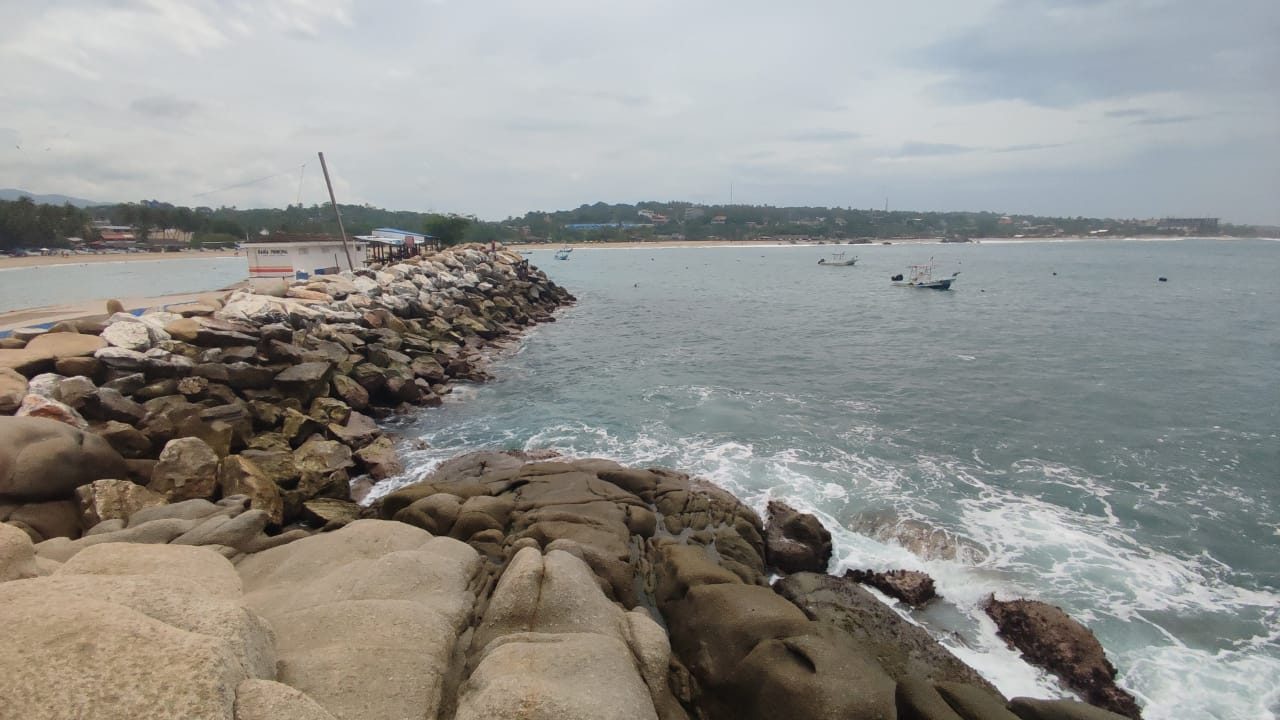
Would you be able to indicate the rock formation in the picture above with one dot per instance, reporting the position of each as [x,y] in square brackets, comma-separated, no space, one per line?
[1048,637]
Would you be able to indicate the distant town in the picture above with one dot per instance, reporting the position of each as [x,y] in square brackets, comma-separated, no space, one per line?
[28,226]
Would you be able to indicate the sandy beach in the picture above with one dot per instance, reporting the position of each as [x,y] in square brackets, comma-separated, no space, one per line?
[38,260]
[702,243]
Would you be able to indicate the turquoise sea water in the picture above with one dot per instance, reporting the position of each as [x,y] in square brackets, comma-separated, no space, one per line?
[1111,443]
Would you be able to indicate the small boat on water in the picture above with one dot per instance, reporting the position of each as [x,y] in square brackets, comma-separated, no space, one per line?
[837,260]
[921,276]
[563,253]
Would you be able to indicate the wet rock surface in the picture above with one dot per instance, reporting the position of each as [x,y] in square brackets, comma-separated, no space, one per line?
[910,586]
[1048,637]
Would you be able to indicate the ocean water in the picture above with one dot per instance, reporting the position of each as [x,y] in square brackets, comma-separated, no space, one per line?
[1097,439]
[32,287]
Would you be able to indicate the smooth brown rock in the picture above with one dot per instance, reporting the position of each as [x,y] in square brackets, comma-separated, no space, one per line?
[26,362]
[270,700]
[53,519]
[17,554]
[1049,638]
[44,459]
[904,650]
[66,345]
[795,541]
[13,388]
[72,366]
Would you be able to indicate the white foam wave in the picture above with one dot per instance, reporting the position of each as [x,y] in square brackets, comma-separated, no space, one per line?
[1081,558]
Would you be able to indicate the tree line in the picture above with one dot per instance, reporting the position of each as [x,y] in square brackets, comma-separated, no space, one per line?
[26,224]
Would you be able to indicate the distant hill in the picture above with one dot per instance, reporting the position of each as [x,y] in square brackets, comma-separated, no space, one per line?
[14,194]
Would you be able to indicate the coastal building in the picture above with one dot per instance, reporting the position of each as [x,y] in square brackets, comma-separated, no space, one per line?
[1190,226]
[297,255]
[407,239]
[693,213]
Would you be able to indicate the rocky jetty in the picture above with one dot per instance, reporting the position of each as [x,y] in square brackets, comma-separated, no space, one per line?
[273,398]
[496,587]
[180,537]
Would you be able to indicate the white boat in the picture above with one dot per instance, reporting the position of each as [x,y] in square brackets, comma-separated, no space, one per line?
[837,260]
[921,276]
[563,253]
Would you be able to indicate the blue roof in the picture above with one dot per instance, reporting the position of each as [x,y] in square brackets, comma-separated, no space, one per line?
[402,232]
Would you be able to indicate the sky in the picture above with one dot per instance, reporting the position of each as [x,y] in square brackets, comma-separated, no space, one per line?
[1101,108]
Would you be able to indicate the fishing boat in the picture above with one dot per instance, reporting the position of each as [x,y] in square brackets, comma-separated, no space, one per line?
[921,276]
[837,260]
[563,253]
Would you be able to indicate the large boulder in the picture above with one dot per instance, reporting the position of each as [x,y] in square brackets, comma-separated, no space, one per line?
[795,541]
[187,469]
[755,655]
[13,387]
[127,631]
[270,700]
[61,345]
[135,667]
[904,650]
[1049,638]
[17,554]
[42,459]
[392,601]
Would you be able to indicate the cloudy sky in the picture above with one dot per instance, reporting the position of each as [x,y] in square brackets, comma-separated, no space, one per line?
[1122,108]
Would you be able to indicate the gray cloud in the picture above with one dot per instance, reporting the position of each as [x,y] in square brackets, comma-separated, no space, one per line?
[1028,147]
[925,149]
[824,136]
[496,108]
[1063,54]
[164,106]
[1166,119]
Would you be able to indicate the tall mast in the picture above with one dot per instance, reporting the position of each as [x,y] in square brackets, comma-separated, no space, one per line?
[342,231]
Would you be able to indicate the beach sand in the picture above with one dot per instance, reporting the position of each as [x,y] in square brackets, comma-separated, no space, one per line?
[38,260]
[703,243]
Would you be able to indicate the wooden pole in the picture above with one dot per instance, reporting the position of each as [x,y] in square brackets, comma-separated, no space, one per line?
[336,211]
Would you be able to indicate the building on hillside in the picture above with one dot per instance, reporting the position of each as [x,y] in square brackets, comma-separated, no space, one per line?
[298,255]
[168,239]
[116,239]
[719,220]
[693,213]
[1190,226]
[654,217]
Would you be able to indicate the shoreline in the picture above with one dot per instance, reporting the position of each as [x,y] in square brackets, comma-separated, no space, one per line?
[8,263]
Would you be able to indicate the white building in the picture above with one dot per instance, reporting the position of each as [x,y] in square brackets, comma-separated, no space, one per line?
[297,256]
